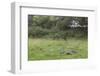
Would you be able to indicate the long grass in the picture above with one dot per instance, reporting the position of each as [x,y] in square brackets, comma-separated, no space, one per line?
[48,49]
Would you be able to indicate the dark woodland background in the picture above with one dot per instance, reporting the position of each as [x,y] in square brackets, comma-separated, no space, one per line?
[57,27]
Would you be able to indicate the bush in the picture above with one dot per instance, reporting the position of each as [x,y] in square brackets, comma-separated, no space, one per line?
[57,34]
[37,32]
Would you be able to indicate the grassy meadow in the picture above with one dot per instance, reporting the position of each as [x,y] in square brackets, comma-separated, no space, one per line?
[49,49]
[57,37]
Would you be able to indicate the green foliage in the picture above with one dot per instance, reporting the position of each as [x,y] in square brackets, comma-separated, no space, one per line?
[37,31]
[56,27]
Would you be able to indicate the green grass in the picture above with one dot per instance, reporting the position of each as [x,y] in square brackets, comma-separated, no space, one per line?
[48,49]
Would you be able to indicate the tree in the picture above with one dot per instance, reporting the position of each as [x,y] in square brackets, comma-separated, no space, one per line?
[56,26]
